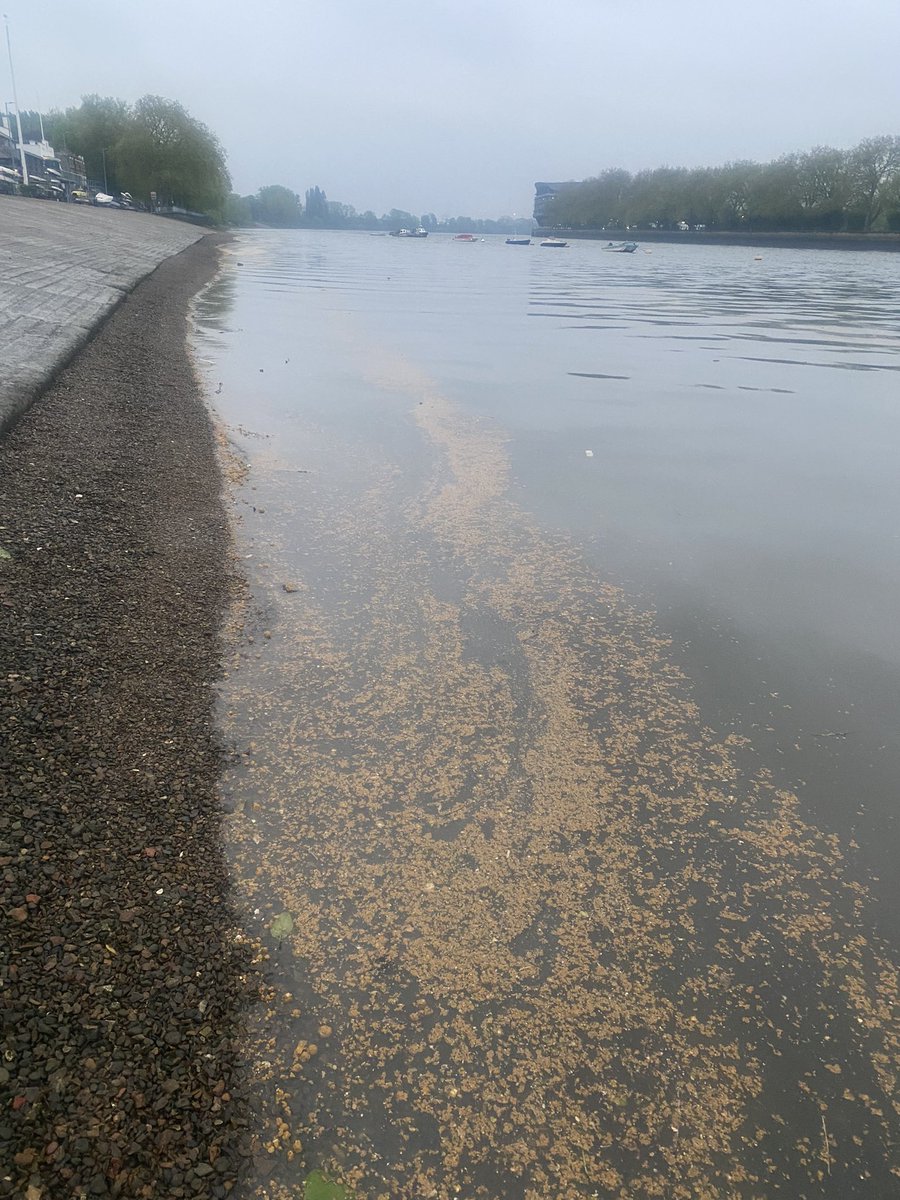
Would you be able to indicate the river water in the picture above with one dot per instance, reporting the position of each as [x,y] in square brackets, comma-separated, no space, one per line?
[564,713]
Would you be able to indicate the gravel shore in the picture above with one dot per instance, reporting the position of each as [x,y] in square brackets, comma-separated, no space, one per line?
[123,985]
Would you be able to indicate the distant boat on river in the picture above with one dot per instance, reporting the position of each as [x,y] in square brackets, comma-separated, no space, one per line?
[621,247]
[518,241]
[557,243]
[465,237]
[419,232]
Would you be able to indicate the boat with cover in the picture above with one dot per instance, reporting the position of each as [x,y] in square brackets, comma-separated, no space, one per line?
[557,243]
[621,247]
[465,237]
[419,232]
[518,241]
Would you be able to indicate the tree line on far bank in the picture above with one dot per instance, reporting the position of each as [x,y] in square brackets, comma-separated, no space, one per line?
[279,207]
[822,189]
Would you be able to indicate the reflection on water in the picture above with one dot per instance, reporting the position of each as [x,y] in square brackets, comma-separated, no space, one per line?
[558,929]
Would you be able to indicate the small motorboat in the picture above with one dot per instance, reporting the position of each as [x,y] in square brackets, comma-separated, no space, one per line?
[621,247]
[465,237]
[419,232]
[518,241]
[556,243]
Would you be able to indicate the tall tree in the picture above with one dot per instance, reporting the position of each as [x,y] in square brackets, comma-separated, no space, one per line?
[276,205]
[92,129]
[823,187]
[31,124]
[165,150]
[874,166]
[239,210]
[773,194]
[316,206]
[397,218]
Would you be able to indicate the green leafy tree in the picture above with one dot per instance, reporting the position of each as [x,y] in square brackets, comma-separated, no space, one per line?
[341,216]
[93,129]
[165,150]
[316,207]
[31,124]
[660,198]
[239,210]
[874,167]
[276,205]
[823,188]
[774,195]
[398,219]
[601,202]
[736,180]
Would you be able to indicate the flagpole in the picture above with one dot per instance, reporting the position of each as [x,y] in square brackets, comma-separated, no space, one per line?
[12,76]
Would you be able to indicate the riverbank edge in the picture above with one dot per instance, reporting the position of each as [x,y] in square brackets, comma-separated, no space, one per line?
[692,237]
[67,332]
[22,392]
[127,979]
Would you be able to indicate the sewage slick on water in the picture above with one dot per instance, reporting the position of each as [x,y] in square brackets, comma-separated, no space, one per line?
[548,936]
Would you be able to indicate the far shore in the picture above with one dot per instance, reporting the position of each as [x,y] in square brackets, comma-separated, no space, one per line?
[708,237]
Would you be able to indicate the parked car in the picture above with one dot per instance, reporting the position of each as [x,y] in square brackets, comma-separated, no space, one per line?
[122,200]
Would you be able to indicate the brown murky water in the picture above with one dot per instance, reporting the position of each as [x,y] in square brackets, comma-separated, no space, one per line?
[555,918]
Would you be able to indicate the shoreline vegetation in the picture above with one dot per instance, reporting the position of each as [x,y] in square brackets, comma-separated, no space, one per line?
[820,191]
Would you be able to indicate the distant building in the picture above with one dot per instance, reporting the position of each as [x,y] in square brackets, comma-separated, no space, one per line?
[54,175]
[43,169]
[10,175]
[72,172]
[544,193]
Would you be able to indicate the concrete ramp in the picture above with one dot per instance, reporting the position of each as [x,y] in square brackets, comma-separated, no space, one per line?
[63,268]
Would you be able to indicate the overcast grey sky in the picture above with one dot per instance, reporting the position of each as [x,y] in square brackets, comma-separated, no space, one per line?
[457,108]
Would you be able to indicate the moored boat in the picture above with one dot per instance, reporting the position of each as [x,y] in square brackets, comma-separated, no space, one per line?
[518,241]
[465,237]
[419,232]
[621,247]
[557,243]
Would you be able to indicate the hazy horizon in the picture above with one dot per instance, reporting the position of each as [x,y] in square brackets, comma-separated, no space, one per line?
[459,109]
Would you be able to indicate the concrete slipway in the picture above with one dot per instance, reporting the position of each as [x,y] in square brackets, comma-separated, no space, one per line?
[63,269]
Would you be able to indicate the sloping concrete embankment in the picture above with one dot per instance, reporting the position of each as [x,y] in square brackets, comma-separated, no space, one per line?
[63,269]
